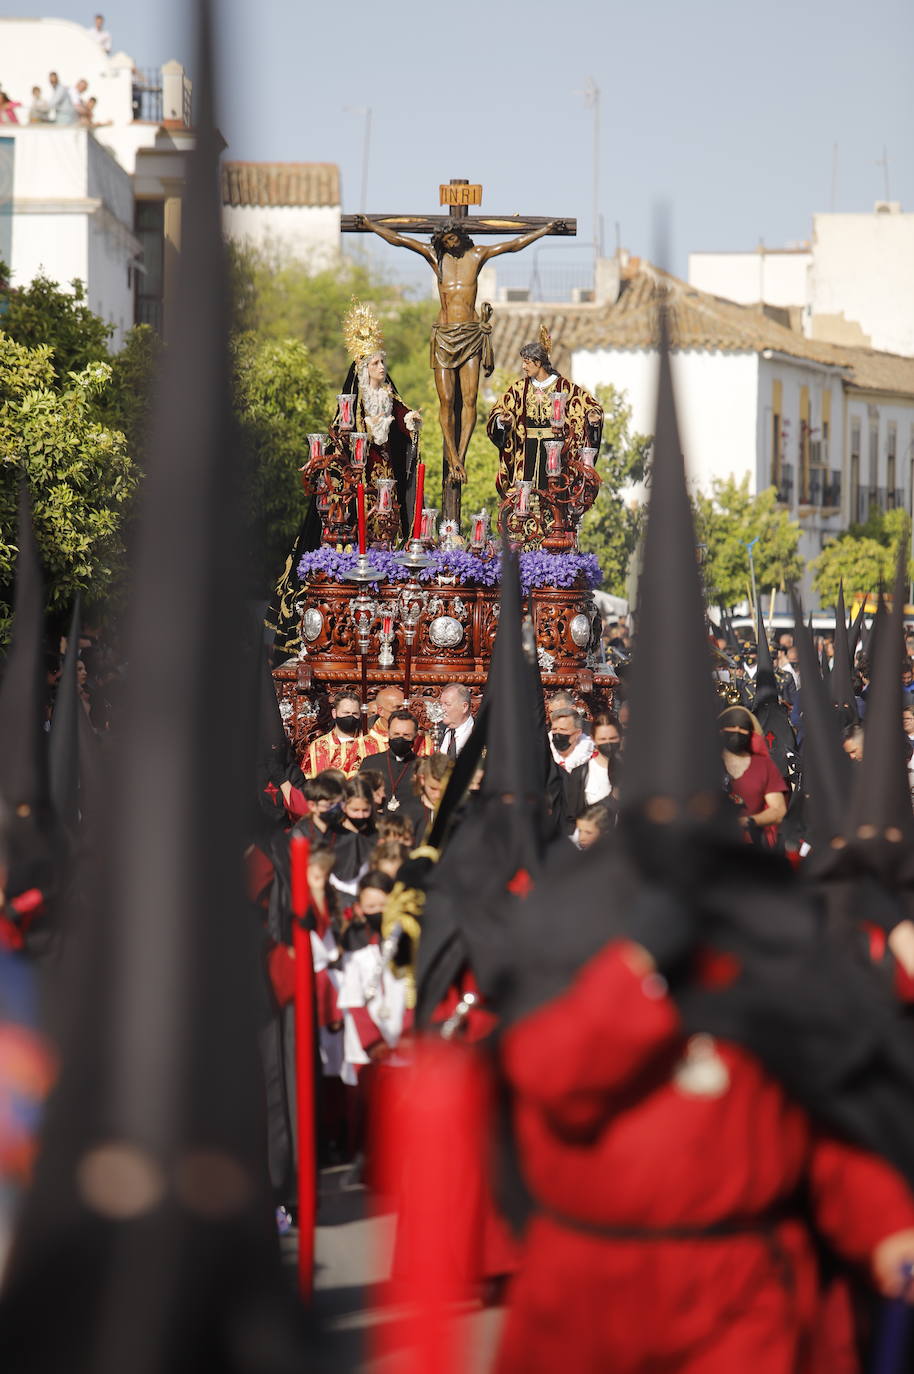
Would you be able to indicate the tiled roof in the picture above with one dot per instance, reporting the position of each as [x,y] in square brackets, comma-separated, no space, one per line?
[280,183]
[698,320]
[515,324]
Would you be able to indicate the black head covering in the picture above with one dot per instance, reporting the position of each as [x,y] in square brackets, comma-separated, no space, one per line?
[24,785]
[853,633]
[880,826]
[672,769]
[814,1018]
[841,680]
[148,1232]
[766,687]
[501,834]
[826,767]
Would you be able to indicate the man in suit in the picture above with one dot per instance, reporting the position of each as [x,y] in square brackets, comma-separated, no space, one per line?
[457,717]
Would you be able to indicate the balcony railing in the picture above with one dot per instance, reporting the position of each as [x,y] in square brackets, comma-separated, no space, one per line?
[824,488]
[867,500]
[785,484]
[147,95]
[894,498]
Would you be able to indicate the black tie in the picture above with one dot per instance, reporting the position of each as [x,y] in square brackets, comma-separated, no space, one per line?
[452,745]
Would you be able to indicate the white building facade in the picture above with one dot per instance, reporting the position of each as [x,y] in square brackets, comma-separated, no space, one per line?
[72,215]
[285,209]
[831,428]
[100,204]
[853,284]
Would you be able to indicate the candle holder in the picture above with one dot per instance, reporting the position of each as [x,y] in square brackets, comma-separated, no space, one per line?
[479,530]
[358,450]
[316,447]
[386,657]
[409,607]
[346,406]
[589,457]
[559,401]
[553,449]
[386,487]
[429,534]
[523,497]
[363,571]
[413,556]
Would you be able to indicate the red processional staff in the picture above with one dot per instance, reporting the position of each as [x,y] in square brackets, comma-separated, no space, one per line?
[304,1064]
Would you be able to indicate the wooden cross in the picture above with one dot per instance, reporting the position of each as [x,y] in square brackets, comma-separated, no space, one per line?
[455,362]
[458,208]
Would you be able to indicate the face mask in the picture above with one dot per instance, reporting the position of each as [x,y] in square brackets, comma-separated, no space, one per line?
[347,725]
[561,742]
[401,748]
[360,823]
[734,742]
[609,751]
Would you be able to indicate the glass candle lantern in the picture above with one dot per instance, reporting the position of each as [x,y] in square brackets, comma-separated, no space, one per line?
[358,450]
[346,403]
[430,523]
[385,487]
[523,497]
[480,529]
[553,457]
[387,626]
[315,446]
[323,493]
[559,401]
[589,457]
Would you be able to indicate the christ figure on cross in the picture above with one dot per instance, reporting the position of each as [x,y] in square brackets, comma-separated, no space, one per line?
[461,339]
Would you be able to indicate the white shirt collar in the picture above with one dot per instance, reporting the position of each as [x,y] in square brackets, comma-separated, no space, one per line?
[548,382]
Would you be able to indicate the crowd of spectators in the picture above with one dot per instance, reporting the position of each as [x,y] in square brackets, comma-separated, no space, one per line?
[60,104]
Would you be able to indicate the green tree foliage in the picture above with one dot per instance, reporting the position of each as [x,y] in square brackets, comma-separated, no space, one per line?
[78,472]
[280,396]
[276,297]
[126,403]
[610,529]
[43,314]
[863,556]
[726,522]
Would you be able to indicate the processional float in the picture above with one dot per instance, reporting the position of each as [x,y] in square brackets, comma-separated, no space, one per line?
[398,592]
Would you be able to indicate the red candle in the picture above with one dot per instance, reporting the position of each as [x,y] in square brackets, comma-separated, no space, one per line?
[387,625]
[420,500]
[360,505]
[304,1064]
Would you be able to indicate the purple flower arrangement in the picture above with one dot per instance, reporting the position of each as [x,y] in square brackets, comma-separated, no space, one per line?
[537,568]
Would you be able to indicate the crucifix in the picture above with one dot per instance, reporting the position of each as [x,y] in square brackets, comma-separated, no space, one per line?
[461,341]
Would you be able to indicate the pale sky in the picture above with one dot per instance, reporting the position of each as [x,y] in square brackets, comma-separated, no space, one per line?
[727,111]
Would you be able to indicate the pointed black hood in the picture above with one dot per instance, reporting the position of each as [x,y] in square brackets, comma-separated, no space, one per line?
[841,681]
[500,840]
[23,739]
[766,688]
[826,767]
[179,1270]
[672,764]
[23,692]
[512,741]
[880,830]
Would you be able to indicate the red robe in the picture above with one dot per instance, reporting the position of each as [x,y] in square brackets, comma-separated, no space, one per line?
[608,1140]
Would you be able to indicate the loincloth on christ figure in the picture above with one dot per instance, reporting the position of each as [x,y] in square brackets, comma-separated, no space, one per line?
[452,345]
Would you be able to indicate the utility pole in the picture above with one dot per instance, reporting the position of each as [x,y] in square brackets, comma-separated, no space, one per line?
[591,94]
[366,150]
